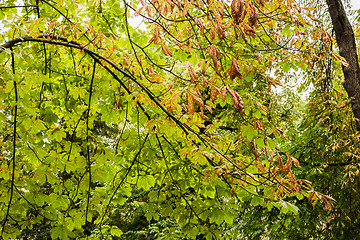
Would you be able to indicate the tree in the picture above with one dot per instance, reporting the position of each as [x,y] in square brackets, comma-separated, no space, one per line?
[178,117]
[347,47]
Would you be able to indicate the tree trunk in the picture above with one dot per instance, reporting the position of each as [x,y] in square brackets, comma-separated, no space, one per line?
[346,41]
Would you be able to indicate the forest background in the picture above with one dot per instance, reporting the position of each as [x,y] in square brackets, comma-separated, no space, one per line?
[213,120]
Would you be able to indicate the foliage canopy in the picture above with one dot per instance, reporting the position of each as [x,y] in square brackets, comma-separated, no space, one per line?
[179,119]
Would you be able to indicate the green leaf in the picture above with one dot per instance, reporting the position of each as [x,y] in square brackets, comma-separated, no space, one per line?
[146,182]
[59,232]
[286,66]
[115,231]
[248,132]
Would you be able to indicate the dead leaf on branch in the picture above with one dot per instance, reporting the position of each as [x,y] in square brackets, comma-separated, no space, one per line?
[223,93]
[220,29]
[138,12]
[214,93]
[237,100]
[314,196]
[234,70]
[194,96]
[214,54]
[166,50]
[288,164]
[193,75]
[205,67]
[243,35]
[253,17]
[280,162]
[250,29]
[190,106]
[237,7]
[212,34]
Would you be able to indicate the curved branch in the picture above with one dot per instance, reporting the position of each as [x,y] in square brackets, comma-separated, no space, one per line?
[47,38]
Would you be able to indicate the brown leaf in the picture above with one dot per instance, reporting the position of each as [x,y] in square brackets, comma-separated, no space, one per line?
[137,13]
[212,34]
[255,152]
[217,70]
[205,67]
[190,105]
[237,7]
[193,75]
[281,165]
[258,125]
[166,50]
[292,177]
[296,162]
[234,70]
[209,109]
[186,8]
[156,37]
[236,33]
[174,97]
[281,132]
[219,171]
[261,167]
[188,49]
[243,35]
[237,100]
[313,198]
[214,93]
[220,29]
[223,93]
[327,204]
[288,164]
[214,54]
[248,28]
[185,107]
[243,13]
[253,17]
[232,191]
[271,159]
[315,19]
[181,45]
[198,101]
[148,10]
[125,62]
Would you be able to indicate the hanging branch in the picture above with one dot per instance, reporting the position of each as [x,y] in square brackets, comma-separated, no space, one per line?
[177,185]
[14,150]
[87,141]
[46,38]
[122,180]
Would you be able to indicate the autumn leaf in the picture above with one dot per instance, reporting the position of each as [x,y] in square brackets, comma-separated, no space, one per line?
[190,106]
[234,70]
[193,75]
[223,93]
[220,29]
[214,93]
[212,34]
[166,50]
[237,7]
[237,100]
